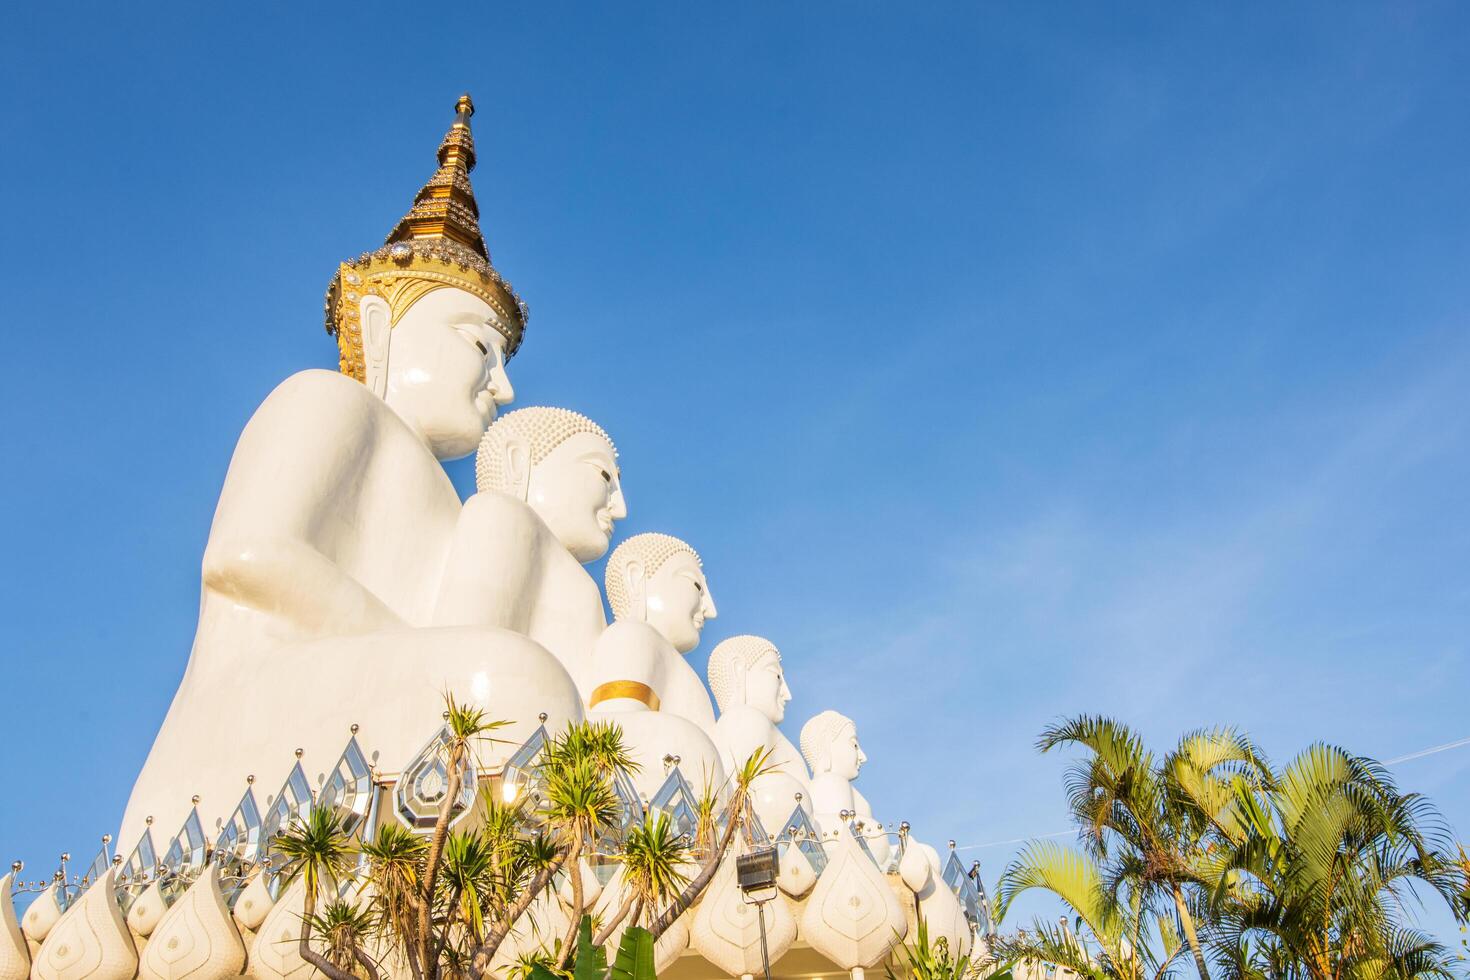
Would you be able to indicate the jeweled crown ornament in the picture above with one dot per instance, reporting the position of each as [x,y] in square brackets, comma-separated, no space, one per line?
[437,244]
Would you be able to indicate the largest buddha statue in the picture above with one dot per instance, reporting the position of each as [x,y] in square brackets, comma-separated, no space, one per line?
[322,570]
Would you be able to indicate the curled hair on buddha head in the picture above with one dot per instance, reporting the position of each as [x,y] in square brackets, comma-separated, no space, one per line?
[540,429]
[729,660]
[650,550]
[817,736]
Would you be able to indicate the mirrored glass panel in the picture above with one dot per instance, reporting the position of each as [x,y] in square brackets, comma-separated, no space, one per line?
[349,788]
[521,780]
[630,814]
[801,832]
[963,886]
[237,847]
[183,859]
[137,872]
[676,799]
[292,803]
[425,782]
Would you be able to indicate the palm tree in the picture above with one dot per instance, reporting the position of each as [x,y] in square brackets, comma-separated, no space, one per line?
[395,867]
[346,929]
[757,765]
[579,768]
[1316,884]
[1116,938]
[317,850]
[465,724]
[652,857]
[1149,822]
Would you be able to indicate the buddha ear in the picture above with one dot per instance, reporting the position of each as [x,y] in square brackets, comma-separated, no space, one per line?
[518,467]
[377,323]
[636,578]
[737,680]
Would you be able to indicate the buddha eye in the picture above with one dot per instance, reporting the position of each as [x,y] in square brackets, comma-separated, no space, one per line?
[470,337]
[698,587]
[606,476]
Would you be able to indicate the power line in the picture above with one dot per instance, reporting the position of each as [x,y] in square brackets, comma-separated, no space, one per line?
[1433,750]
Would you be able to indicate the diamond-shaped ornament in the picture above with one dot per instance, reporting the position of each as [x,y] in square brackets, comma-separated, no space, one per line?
[630,814]
[963,886]
[291,804]
[183,859]
[97,868]
[425,781]
[349,789]
[238,846]
[520,778]
[136,872]
[801,833]
[676,799]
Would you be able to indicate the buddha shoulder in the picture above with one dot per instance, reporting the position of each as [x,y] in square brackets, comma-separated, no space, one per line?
[319,401]
[742,727]
[491,522]
[628,636]
[629,651]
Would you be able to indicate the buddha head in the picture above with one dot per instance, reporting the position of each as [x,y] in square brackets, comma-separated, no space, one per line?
[829,743]
[746,670]
[658,580]
[425,321]
[564,466]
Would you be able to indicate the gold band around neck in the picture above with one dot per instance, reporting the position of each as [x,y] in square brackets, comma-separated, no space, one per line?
[624,689]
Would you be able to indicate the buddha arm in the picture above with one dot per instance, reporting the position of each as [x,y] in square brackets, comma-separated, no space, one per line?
[294,482]
[290,579]
[493,568]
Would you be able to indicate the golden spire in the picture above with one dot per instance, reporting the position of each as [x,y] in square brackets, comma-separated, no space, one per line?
[445,207]
[437,244]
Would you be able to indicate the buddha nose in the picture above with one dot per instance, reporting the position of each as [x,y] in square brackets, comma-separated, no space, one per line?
[618,506]
[710,612]
[500,386]
[862,756]
[785,693]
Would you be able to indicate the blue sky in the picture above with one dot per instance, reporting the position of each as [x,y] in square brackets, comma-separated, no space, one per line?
[1004,362]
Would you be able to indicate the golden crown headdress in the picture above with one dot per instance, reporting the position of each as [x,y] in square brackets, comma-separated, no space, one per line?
[437,244]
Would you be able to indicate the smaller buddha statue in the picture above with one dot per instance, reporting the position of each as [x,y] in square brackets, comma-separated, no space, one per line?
[830,744]
[750,688]
[637,674]
[548,495]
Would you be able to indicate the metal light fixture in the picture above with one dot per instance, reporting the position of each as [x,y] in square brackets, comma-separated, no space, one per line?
[756,874]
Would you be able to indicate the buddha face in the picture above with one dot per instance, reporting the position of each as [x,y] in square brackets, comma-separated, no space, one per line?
[679,601]
[765,688]
[445,368]
[846,757]
[575,490]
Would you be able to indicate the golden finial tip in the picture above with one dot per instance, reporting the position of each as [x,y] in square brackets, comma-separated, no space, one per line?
[465,106]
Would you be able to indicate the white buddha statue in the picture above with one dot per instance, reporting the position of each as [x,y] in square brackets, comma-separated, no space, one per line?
[336,518]
[750,687]
[549,493]
[638,676]
[829,742]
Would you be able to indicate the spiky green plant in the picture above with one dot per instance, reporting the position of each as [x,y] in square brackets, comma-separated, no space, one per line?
[924,958]
[345,929]
[652,857]
[316,850]
[754,767]
[395,857]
